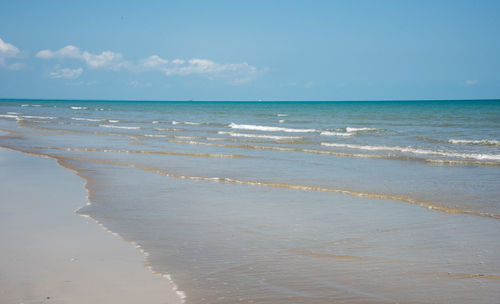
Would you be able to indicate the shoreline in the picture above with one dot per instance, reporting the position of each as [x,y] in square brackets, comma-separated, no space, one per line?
[56,258]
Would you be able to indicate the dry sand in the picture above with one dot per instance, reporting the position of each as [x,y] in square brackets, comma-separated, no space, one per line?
[50,255]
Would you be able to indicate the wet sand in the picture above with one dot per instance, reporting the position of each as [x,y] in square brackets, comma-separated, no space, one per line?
[51,255]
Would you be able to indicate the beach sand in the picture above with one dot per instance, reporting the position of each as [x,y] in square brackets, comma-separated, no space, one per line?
[51,255]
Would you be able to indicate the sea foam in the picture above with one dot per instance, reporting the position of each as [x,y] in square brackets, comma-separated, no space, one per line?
[270,129]
[330,133]
[414,151]
[120,127]
[483,142]
[257,135]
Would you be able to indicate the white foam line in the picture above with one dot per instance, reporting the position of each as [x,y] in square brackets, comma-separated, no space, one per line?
[119,127]
[349,129]
[78,108]
[330,133]
[39,117]
[270,129]
[257,135]
[9,116]
[485,142]
[87,119]
[186,123]
[415,151]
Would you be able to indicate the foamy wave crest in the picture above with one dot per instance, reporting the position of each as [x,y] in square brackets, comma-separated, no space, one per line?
[186,123]
[119,127]
[270,129]
[281,115]
[349,129]
[38,117]
[415,151]
[9,116]
[113,120]
[78,108]
[483,142]
[86,119]
[14,113]
[329,133]
[257,135]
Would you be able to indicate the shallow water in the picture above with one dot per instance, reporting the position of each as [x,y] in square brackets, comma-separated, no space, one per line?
[355,202]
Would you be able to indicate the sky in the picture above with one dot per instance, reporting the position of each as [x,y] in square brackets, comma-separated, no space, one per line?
[250,50]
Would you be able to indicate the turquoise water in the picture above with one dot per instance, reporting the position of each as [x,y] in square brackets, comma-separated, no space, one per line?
[289,202]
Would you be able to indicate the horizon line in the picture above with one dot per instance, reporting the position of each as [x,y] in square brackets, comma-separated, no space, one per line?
[253,101]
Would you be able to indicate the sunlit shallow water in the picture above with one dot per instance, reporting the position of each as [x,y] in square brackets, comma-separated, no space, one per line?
[362,202]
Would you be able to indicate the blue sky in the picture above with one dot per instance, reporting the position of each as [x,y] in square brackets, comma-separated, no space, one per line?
[250,50]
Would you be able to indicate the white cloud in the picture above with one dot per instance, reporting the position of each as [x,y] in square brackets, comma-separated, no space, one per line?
[178,61]
[69,51]
[232,73]
[66,73]
[106,59]
[8,50]
[471,82]
[153,62]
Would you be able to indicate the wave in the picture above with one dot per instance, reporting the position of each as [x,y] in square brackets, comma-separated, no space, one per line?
[38,117]
[257,135]
[350,129]
[9,116]
[483,142]
[119,127]
[146,152]
[78,108]
[86,119]
[270,129]
[186,123]
[113,120]
[450,162]
[300,187]
[330,133]
[281,115]
[168,129]
[14,113]
[415,151]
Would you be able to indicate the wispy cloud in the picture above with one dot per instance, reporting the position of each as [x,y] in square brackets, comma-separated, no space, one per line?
[471,82]
[66,73]
[231,73]
[8,50]
[106,60]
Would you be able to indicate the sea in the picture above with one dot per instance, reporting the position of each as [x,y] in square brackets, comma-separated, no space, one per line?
[287,202]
